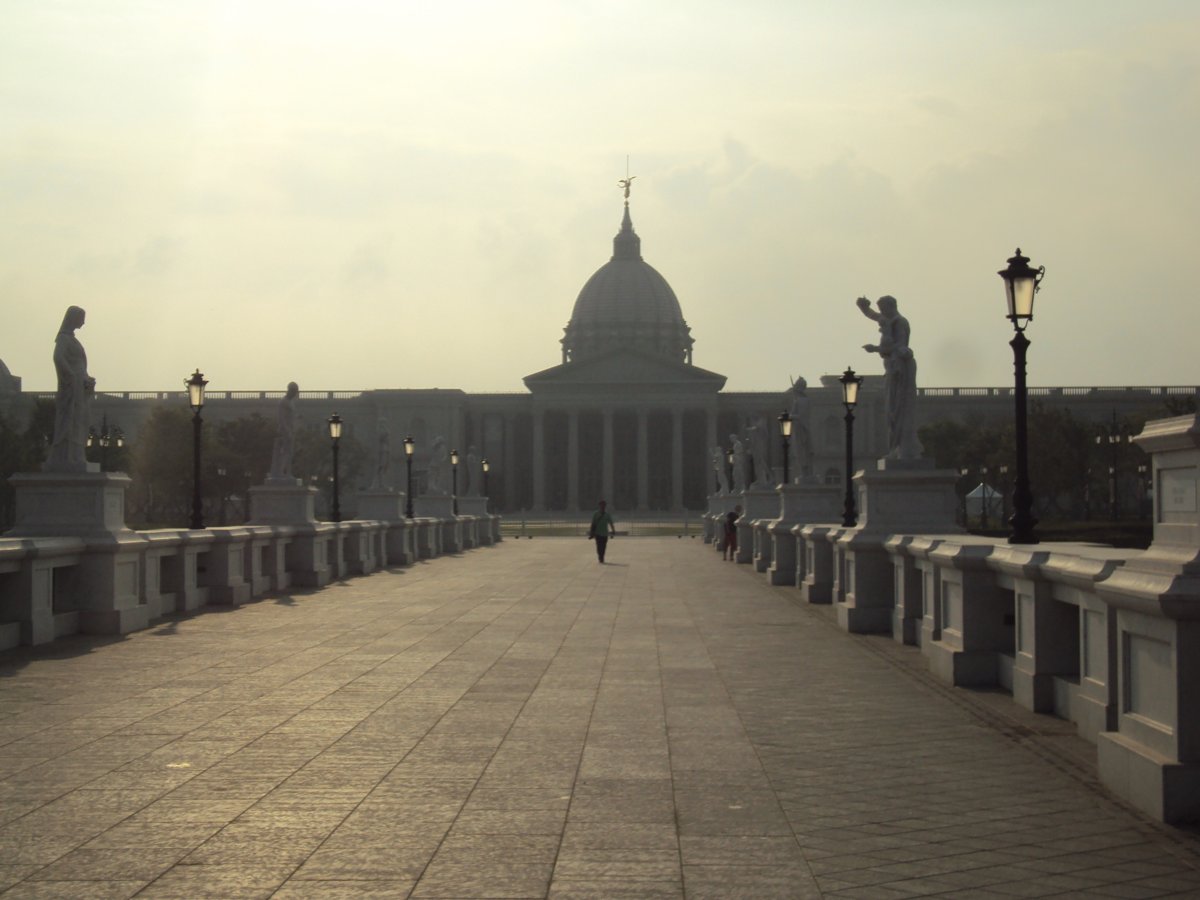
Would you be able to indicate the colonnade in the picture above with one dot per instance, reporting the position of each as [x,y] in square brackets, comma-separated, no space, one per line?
[626,457]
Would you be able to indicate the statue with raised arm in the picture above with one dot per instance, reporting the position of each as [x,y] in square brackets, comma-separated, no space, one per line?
[68,448]
[383,457]
[437,474]
[719,469]
[900,376]
[739,463]
[285,437]
[800,448]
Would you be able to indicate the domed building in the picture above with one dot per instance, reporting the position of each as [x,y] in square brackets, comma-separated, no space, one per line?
[614,419]
[627,305]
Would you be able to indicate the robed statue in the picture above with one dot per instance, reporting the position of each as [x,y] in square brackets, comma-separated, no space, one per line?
[68,448]
[285,437]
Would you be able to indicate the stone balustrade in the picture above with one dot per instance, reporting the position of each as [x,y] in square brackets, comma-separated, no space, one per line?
[116,584]
[1105,638]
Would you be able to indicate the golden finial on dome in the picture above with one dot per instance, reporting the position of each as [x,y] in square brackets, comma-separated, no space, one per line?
[627,181]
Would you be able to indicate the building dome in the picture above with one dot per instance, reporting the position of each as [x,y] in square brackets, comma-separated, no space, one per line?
[627,305]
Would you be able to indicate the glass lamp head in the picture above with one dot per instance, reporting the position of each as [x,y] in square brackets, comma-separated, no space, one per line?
[850,385]
[195,386]
[1021,283]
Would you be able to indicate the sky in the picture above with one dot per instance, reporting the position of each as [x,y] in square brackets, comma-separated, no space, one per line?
[357,195]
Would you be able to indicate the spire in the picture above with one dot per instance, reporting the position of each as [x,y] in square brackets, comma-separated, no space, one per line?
[627,245]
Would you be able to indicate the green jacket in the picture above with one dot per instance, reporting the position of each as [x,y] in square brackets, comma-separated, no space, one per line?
[602,524]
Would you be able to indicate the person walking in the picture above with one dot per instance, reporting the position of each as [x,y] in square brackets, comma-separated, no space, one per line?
[602,528]
[730,546]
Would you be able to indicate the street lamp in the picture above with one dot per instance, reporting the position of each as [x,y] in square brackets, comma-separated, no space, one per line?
[964,472]
[335,437]
[409,447]
[1114,435]
[729,467]
[195,386]
[1021,284]
[1004,493]
[1143,472]
[454,479]
[785,432]
[983,510]
[850,385]
[483,464]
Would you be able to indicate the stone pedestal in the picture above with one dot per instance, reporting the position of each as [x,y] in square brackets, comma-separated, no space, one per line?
[383,506]
[101,591]
[894,497]
[1153,758]
[434,506]
[276,503]
[799,504]
[69,504]
[472,506]
[757,503]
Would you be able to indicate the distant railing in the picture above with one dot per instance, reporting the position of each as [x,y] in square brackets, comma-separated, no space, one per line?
[1149,390]
[182,396]
[512,525]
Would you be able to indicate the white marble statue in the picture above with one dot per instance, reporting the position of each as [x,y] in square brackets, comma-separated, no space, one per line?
[474,485]
[756,434]
[285,437]
[383,457]
[720,470]
[900,376]
[68,449]
[437,473]
[800,449]
[740,475]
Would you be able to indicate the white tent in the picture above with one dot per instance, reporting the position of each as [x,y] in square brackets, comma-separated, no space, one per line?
[982,497]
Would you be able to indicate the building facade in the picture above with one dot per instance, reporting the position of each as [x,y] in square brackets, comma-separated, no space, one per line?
[625,416]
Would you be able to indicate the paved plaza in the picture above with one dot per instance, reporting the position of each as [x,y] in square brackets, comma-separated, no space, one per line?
[519,721]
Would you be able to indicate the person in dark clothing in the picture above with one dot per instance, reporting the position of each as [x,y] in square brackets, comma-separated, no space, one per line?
[602,528]
[730,546]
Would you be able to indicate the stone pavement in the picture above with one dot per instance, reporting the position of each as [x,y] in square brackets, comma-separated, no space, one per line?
[520,721]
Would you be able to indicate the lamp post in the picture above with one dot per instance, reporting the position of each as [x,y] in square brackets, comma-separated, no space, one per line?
[1143,472]
[983,510]
[850,385]
[963,473]
[335,437]
[1114,435]
[1087,494]
[195,386]
[1004,493]
[483,464]
[729,467]
[409,447]
[1021,284]
[454,479]
[785,432]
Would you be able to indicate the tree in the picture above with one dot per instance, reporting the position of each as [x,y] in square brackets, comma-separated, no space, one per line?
[161,469]
[23,450]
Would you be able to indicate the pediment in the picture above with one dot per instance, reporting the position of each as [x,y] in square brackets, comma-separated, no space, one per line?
[625,369]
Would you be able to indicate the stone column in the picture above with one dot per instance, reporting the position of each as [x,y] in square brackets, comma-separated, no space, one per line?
[539,459]
[643,463]
[573,460]
[607,471]
[677,459]
[509,462]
